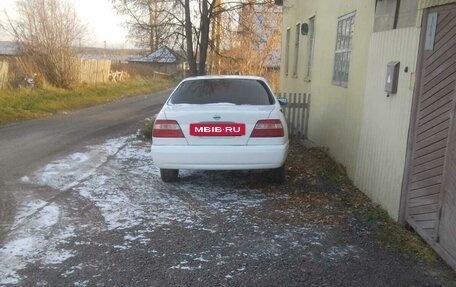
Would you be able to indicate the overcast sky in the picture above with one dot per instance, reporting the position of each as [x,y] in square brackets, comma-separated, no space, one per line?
[102,21]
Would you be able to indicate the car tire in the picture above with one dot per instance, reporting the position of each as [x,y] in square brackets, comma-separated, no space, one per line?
[169,175]
[278,174]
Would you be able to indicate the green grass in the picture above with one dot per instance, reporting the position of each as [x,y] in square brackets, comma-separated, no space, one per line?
[23,104]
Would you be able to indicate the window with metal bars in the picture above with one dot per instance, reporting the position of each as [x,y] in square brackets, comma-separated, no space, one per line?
[345,30]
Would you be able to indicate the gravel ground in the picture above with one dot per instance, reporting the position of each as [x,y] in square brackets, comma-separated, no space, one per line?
[102,217]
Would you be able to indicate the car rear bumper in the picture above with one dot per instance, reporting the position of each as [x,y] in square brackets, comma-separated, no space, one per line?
[219,157]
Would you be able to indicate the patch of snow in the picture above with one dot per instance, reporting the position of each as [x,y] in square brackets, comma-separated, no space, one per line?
[81,284]
[49,215]
[120,179]
[130,237]
[57,256]
[241,269]
[341,252]
[122,247]
[26,209]
[33,240]
[72,170]
[119,189]
[208,230]
[184,266]
[71,270]
[201,259]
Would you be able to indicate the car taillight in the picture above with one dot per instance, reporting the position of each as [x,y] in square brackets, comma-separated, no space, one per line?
[268,128]
[167,129]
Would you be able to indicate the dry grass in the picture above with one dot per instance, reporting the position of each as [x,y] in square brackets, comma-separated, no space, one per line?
[320,185]
[23,104]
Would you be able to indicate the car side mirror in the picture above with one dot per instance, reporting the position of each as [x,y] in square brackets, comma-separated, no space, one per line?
[283,101]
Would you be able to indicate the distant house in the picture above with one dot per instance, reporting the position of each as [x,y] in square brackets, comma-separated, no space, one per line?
[164,60]
[382,77]
[8,49]
[116,56]
[8,58]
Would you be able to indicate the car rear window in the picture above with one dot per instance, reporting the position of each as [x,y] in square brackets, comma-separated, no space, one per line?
[212,91]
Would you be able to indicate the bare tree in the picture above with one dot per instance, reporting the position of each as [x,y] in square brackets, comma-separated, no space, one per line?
[46,32]
[252,42]
[152,23]
[211,14]
[171,21]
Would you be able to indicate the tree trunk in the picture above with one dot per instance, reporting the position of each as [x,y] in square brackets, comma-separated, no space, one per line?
[189,37]
[152,45]
[204,44]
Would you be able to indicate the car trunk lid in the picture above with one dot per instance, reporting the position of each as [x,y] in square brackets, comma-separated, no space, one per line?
[217,115]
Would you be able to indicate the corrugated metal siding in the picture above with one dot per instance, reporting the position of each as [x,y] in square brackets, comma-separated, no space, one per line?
[385,122]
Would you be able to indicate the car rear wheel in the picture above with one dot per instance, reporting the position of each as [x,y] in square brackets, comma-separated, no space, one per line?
[169,175]
[278,174]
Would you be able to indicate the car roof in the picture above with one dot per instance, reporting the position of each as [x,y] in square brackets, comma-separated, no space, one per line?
[220,77]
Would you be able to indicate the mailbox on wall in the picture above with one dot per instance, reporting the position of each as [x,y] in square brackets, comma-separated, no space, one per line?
[392,77]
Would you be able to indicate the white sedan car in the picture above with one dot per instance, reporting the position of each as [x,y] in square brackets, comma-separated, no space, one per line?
[220,123]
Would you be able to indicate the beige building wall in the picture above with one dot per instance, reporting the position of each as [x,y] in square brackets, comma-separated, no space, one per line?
[364,129]
[335,112]
[385,121]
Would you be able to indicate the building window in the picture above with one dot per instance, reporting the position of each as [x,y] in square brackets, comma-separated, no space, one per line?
[395,14]
[296,50]
[310,48]
[345,30]
[287,52]
[385,15]
[408,10]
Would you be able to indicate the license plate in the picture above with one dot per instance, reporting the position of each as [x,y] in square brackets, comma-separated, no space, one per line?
[228,129]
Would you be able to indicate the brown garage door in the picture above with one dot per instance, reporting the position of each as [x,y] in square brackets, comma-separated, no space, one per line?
[431,180]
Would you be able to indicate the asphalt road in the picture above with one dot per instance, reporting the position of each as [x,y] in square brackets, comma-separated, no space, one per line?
[27,145]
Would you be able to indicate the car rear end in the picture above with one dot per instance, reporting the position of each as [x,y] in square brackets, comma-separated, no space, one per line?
[220,123]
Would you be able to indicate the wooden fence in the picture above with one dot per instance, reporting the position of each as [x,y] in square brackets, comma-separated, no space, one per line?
[3,74]
[297,113]
[91,71]
[94,71]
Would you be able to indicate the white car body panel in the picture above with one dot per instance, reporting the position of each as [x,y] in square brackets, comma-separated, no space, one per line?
[219,157]
[220,152]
